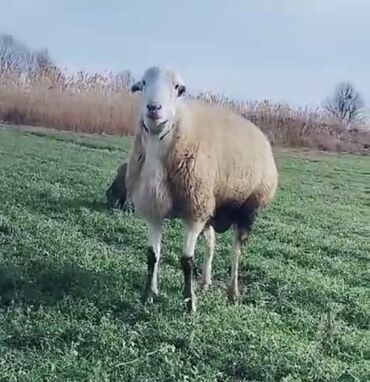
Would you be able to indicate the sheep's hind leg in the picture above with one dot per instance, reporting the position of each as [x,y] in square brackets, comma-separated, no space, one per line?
[192,232]
[233,289]
[154,253]
[247,215]
[209,238]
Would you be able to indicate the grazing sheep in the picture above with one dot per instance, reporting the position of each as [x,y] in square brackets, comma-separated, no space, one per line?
[201,163]
[116,194]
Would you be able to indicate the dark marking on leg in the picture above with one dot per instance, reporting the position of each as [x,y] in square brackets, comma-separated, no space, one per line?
[151,261]
[187,267]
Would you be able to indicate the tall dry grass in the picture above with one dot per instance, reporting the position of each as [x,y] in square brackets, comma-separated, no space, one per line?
[80,102]
[101,103]
[290,126]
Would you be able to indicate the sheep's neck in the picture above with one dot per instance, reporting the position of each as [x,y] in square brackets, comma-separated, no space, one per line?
[161,136]
[155,150]
[153,199]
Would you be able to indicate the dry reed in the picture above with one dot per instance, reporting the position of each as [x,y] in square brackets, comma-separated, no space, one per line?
[101,103]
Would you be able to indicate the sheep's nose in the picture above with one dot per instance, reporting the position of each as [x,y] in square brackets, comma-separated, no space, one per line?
[153,106]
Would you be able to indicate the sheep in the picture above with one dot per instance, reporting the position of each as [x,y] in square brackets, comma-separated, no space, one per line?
[201,163]
[117,197]
[116,194]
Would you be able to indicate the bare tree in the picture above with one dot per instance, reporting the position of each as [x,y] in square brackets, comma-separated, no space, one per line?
[346,102]
[43,60]
[13,55]
[18,60]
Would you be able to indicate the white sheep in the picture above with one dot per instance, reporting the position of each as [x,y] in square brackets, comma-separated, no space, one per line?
[201,163]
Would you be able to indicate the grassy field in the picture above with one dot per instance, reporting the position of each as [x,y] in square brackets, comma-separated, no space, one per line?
[71,276]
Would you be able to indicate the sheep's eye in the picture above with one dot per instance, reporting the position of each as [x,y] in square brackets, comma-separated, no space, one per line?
[143,83]
[176,87]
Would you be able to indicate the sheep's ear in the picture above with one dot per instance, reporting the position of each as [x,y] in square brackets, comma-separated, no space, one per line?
[138,86]
[181,89]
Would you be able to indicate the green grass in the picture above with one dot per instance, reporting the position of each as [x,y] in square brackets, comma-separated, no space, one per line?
[71,276]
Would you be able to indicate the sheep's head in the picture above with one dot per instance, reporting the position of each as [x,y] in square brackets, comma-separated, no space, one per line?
[161,89]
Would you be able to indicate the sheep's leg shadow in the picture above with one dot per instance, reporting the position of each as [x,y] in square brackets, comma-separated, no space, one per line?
[154,253]
[192,232]
[208,235]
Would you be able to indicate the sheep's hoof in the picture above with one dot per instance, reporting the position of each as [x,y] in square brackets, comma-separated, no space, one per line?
[233,294]
[128,208]
[149,296]
[190,304]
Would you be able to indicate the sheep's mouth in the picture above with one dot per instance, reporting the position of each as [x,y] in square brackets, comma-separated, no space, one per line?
[156,127]
[154,115]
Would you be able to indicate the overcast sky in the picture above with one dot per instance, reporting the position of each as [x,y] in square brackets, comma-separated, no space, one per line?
[292,51]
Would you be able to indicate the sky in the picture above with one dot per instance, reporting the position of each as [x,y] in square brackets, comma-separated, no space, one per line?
[293,51]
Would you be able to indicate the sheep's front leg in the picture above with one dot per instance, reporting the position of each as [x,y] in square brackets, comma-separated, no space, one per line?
[192,232]
[154,253]
[209,239]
